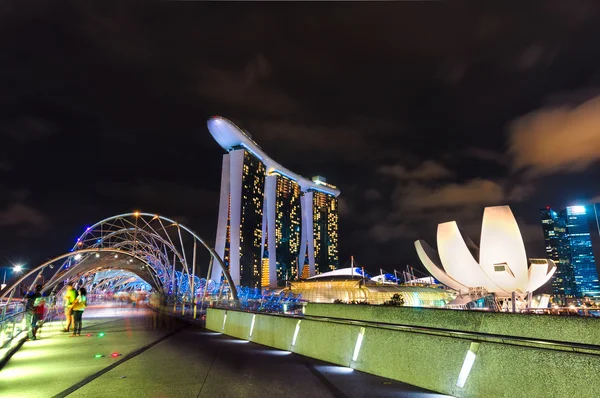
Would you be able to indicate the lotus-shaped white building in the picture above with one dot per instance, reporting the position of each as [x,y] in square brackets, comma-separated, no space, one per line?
[498,266]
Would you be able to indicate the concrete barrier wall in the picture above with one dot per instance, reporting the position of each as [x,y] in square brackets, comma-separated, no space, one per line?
[328,342]
[427,361]
[571,329]
[274,331]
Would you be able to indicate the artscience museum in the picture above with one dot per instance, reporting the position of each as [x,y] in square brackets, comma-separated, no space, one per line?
[499,266]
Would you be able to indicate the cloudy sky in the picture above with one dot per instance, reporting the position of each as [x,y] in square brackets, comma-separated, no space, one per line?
[420,112]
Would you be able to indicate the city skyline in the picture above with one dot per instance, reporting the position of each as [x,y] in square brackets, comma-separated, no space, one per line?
[416,121]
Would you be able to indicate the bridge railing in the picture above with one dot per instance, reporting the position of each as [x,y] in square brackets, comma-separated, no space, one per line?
[197,310]
[13,329]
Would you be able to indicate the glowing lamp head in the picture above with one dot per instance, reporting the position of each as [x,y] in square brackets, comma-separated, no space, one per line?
[18,268]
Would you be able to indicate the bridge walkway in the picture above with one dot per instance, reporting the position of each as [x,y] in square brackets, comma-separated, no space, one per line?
[175,360]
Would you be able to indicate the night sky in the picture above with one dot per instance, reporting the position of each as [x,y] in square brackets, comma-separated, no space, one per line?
[420,112]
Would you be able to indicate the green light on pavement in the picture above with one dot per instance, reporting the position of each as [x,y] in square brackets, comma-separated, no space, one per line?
[101,334]
[98,356]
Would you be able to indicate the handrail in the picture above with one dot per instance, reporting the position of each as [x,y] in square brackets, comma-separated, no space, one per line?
[463,335]
[7,317]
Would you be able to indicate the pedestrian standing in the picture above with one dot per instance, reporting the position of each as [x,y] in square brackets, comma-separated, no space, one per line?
[78,308]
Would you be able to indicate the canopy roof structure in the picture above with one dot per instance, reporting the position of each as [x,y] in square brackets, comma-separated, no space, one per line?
[324,290]
[342,272]
[133,250]
[498,266]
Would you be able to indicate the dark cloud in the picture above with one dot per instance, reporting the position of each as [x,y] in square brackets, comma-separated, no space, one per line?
[471,193]
[530,56]
[5,166]
[23,219]
[248,87]
[103,109]
[486,155]
[372,194]
[153,195]
[428,170]
[334,140]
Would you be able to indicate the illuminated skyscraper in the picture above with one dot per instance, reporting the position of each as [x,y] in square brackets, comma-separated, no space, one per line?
[270,219]
[241,215]
[558,250]
[325,224]
[581,252]
[287,226]
[568,239]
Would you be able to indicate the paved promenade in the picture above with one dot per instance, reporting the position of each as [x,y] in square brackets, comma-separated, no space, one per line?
[174,360]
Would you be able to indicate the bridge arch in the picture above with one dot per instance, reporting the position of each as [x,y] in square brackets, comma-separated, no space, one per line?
[157,250]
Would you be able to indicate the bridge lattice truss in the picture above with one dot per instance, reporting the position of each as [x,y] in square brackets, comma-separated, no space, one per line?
[135,251]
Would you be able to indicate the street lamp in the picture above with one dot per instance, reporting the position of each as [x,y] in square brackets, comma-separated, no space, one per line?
[18,268]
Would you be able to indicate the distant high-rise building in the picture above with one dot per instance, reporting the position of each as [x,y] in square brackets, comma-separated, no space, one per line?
[325,223]
[241,215]
[287,226]
[557,249]
[594,218]
[569,242]
[271,221]
[582,254]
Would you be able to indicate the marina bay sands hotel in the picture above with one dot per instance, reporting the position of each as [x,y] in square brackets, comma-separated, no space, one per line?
[273,224]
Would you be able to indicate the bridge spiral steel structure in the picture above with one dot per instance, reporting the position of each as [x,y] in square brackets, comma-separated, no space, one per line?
[133,251]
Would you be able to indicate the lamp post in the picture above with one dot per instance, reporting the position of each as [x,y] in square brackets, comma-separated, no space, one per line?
[16,268]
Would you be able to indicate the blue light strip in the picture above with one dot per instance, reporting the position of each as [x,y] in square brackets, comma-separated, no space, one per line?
[322,191]
[285,175]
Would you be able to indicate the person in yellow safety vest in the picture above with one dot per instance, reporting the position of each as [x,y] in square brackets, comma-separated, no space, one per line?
[78,308]
[70,296]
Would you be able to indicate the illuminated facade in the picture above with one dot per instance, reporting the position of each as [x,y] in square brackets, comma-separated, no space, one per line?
[578,276]
[328,291]
[241,216]
[325,225]
[284,220]
[581,252]
[558,250]
[287,226]
[498,266]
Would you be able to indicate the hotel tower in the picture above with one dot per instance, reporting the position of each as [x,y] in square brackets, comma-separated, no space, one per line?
[273,224]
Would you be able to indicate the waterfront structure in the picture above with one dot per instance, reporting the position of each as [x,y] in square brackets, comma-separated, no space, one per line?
[347,288]
[498,266]
[273,225]
[570,235]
